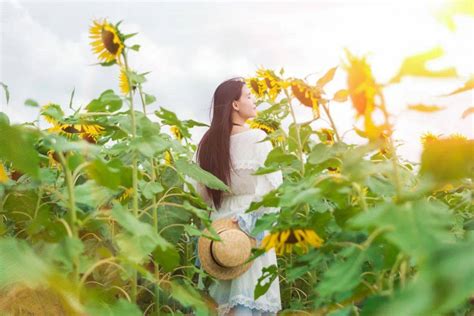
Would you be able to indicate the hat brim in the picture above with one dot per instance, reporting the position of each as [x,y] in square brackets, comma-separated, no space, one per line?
[204,253]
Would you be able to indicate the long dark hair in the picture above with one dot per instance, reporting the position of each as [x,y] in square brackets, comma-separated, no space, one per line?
[213,150]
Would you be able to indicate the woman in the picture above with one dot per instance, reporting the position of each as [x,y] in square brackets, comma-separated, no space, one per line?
[232,151]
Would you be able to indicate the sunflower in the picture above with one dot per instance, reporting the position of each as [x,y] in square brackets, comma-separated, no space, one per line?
[361,83]
[176,132]
[285,240]
[326,135]
[256,86]
[458,136]
[125,194]
[428,137]
[272,83]
[307,95]
[123,82]
[3,174]
[106,41]
[168,158]
[53,159]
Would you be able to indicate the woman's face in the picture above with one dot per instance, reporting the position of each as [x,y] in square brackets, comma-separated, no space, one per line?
[246,104]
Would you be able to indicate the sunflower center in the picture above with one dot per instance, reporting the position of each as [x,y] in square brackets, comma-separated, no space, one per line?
[108,40]
[291,238]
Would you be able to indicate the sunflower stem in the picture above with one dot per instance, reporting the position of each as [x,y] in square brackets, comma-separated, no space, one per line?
[297,126]
[394,157]
[326,110]
[134,168]
[72,209]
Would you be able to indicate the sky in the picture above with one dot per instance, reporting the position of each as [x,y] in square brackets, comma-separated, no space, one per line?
[191,47]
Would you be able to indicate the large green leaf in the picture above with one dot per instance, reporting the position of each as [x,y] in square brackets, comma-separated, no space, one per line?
[19,263]
[17,146]
[140,240]
[417,227]
[201,175]
[343,275]
[108,101]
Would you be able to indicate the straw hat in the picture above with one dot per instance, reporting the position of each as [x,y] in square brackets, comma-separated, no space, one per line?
[225,259]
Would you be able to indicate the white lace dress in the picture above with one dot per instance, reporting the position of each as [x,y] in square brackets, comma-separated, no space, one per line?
[247,154]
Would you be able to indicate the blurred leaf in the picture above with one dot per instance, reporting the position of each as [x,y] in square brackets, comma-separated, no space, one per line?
[31,102]
[91,194]
[54,111]
[328,76]
[4,119]
[344,275]
[17,146]
[21,264]
[120,308]
[468,85]
[189,297]
[416,66]
[425,108]
[341,95]
[444,283]
[197,173]
[467,112]
[141,239]
[7,93]
[106,174]
[65,251]
[417,228]
[135,47]
[149,99]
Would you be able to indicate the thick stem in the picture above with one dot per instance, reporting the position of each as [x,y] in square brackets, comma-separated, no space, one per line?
[134,168]
[155,212]
[72,209]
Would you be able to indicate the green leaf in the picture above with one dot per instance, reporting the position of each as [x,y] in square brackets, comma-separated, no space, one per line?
[108,63]
[31,102]
[17,146]
[443,284]
[135,47]
[21,264]
[4,119]
[65,251]
[269,274]
[121,307]
[141,238]
[54,111]
[127,36]
[106,174]
[168,259]
[149,99]
[189,297]
[150,189]
[7,93]
[417,227]
[91,194]
[343,275]
[108,101]
[197,173]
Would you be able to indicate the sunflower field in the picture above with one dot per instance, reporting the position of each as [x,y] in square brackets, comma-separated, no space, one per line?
[97,218]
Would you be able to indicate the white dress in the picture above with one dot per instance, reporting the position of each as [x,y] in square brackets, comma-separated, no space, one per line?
[247,155]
